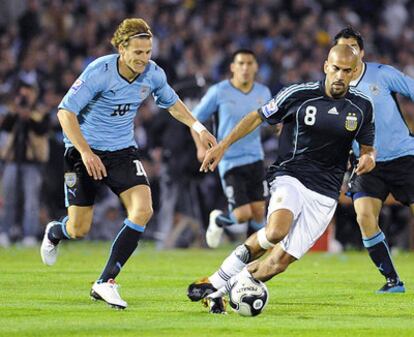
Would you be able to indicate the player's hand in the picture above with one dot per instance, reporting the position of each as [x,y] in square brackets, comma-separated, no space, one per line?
[201,153]
[366,164]
[212,158]
[94,165]
[207,139]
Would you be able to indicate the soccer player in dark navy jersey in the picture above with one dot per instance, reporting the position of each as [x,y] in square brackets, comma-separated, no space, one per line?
[97,117]
[394,143]
[320,122]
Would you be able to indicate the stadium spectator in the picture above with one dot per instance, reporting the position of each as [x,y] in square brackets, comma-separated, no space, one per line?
[25,151]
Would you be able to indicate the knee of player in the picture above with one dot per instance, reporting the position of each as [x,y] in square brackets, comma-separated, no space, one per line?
[366,218]
[78,229]
[141,215]
[274,233]
[243,216]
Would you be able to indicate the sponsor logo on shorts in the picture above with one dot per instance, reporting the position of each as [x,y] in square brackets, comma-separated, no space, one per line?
[351,122]
[70,179]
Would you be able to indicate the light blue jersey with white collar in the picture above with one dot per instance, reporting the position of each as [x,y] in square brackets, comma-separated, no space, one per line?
[381,83]
[106,103]
[230,105]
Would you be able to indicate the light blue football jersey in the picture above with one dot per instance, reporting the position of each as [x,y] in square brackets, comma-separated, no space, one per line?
[381,83]
[230,105]
[106,103]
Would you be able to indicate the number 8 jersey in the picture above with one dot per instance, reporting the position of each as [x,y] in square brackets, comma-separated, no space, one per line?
[106,103]
[317,134]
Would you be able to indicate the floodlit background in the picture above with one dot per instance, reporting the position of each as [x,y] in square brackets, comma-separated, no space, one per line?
[46,45]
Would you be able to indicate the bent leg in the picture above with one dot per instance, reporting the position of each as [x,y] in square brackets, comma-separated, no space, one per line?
[254,247]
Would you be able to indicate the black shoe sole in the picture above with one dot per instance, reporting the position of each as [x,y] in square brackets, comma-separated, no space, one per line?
[195,293]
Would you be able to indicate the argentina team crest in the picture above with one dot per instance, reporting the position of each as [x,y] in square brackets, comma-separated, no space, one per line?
[70,179]
[351,121]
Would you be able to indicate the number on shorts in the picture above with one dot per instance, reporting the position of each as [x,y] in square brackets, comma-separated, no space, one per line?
[310,115]
[140,168]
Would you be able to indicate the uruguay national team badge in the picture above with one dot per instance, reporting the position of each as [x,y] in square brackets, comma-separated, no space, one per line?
[70,179]
[374,88]
[77,85]
[351,122]
[144,92]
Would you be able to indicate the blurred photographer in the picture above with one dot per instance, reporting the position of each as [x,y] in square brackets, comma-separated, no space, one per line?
[26,149]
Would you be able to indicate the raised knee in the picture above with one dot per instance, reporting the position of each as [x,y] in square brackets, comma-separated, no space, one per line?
[275,234]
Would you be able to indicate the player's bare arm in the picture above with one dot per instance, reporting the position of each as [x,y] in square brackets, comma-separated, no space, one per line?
[71,128]
[244,127]
[366,161]
[181,113]
[201,149]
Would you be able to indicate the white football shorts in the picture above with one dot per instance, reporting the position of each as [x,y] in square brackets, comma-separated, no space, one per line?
[312,213]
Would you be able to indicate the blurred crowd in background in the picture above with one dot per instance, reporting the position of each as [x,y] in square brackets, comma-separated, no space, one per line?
[45,45]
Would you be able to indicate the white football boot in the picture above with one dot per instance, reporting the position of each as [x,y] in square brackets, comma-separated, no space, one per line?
[49,251]
[108,292]
[214,232]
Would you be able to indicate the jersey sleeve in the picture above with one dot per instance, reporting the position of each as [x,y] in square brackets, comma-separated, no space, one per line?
[208,105]
[397,81]
[82,91]
[366,134]
[163,94]
[278,108]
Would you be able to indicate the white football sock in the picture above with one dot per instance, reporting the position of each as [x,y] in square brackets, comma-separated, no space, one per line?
[231,266]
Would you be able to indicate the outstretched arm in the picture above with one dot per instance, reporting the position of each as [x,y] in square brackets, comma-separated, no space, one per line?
[244,127]
[181,113]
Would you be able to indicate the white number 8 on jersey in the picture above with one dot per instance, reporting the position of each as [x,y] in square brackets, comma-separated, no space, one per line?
[310,115]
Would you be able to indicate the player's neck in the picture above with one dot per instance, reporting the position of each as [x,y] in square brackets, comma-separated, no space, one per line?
[242,86]
[125,71]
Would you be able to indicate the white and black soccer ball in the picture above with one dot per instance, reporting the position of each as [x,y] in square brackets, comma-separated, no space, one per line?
[248,297]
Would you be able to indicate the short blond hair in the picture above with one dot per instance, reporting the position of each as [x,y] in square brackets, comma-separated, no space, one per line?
[129,28]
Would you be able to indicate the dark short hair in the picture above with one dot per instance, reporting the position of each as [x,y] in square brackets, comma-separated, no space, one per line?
[242,51]
[350,32]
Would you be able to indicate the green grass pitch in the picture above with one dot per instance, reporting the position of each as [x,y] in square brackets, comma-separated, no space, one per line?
[320,295]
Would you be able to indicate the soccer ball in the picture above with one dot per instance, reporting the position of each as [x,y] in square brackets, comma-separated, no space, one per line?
[248,297]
